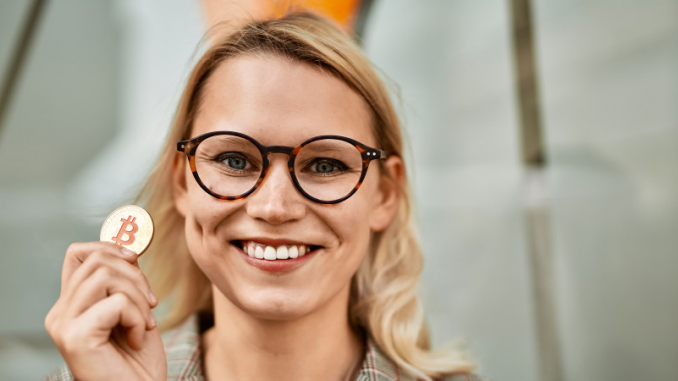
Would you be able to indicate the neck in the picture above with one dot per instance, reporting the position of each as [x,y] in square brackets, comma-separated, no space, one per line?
[317,346]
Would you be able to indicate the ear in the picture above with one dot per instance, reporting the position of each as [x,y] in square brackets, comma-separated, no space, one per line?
[386,203]
[179,188]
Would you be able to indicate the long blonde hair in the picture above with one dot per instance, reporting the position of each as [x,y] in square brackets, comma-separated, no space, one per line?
[384,299]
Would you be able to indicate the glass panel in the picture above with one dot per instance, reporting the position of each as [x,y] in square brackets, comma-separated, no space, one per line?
[12,18]
[100,82]
[453,63]
[610,88]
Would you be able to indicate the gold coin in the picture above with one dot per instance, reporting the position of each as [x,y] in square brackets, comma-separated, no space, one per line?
[129,226]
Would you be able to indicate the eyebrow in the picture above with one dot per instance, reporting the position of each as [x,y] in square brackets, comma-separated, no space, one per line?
[324,146]
[244,143]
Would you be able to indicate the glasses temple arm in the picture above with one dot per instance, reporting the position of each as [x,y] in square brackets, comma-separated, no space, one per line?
[181,146]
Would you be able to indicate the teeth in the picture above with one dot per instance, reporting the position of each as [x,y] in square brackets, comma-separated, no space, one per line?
[272,253]
[259,252]
[281,253]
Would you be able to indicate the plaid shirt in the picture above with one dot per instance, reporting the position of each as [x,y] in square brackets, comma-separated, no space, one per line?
[182,348]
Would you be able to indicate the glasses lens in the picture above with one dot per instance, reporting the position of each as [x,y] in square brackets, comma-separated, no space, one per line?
[228,165]
[328,169]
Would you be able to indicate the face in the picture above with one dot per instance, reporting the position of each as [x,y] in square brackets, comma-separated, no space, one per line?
[279,102]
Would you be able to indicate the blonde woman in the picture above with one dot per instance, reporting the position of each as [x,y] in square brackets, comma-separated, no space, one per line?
[283,231]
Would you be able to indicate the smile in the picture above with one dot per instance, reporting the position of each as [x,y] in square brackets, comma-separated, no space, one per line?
[274,251]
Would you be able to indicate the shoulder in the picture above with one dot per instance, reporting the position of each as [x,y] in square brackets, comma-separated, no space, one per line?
[377,366]
[60,374]
[466,377]
[182,350]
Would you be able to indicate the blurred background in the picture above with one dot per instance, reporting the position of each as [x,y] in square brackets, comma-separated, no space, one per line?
[544,154]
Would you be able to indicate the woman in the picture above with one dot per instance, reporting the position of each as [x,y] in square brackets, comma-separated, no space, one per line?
[283,231]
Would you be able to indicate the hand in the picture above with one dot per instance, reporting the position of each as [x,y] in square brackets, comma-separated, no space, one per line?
[102,322]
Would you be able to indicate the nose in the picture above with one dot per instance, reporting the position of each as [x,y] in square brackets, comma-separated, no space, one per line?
[276,200]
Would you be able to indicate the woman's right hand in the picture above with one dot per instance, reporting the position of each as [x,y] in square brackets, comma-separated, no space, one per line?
[102,322]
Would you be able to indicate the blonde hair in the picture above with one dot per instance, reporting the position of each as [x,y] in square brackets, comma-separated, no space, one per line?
[384,299]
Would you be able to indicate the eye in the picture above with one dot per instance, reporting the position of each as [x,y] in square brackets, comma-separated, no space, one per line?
[327,167]
[324,167]
[234,160]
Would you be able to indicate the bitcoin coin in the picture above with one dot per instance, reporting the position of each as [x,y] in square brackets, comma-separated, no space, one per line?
[129,226]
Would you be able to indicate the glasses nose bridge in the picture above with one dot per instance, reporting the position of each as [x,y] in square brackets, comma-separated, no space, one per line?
[267,150]
[285,150]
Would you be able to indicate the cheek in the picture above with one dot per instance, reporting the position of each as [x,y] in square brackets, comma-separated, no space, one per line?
[203,209]
[210,251]
[204,216]
[349,221]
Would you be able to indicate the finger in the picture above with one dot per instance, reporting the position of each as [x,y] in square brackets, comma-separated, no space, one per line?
[106,281]
[77,253]
[100,259]
[117,309]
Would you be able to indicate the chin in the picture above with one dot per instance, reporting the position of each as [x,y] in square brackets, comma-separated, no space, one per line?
[270,303]
[275,308]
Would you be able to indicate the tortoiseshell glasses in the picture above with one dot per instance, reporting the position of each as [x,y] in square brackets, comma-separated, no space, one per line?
[326,169]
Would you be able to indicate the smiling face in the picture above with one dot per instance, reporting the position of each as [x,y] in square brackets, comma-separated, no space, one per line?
[278,101]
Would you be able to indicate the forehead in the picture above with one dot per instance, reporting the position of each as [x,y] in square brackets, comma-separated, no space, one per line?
[279,101]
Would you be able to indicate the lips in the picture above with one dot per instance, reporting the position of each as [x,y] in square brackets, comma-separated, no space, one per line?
[272,254]
[274,250]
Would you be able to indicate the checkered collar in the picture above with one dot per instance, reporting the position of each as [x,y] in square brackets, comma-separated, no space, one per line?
[182,347]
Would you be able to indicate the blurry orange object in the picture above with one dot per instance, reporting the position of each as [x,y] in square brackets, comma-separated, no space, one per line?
[344,12]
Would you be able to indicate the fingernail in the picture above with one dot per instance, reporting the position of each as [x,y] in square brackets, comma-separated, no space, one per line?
[128,252]
[152,297]
[153,322]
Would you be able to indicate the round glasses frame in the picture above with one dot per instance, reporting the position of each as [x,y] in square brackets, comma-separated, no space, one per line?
[189,147]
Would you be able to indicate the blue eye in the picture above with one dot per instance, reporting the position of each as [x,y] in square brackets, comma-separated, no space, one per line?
[324,167]
[236,162]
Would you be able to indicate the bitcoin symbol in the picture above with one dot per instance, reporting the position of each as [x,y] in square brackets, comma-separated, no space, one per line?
[129,233]
[136,232]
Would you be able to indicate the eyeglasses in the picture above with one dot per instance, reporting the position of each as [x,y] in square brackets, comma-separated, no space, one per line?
[327,169]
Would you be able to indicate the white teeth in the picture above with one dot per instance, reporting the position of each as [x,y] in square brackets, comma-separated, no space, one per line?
[281,252]
[259,252]
[270,253]
[249,251]
[294,251]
